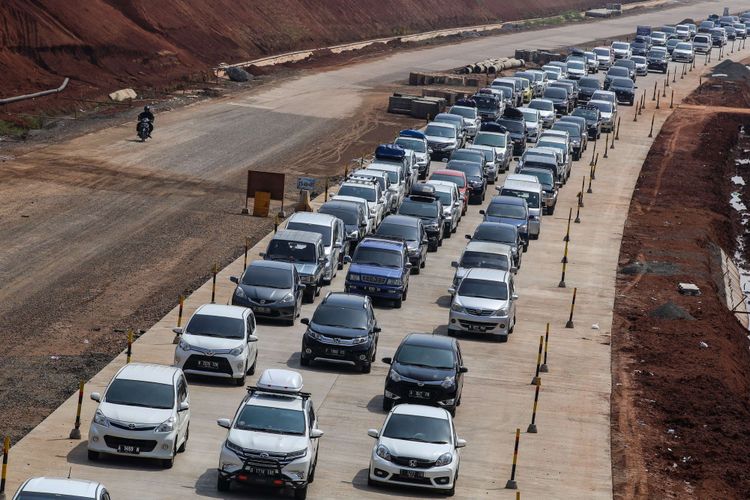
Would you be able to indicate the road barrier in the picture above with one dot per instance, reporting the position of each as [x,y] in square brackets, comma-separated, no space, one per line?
[6,452]
[643,103]
[580,195]
[564,269]
[606,145]
[569,324]
[214,271]
[511,484]
[531,429]
[326,190]
[671,100]
[244,259]
[651,132]
[130,345]
[658,98]
[593,152]
[674,76]
[567,231]
[682,75]
[617,135]
[544,368]
[181,301]
[664,88]
[537,380]
[75,432]
[654,96]
[635,114]
[666,79]
[589,190]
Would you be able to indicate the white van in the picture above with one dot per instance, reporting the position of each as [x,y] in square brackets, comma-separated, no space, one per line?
[533,193]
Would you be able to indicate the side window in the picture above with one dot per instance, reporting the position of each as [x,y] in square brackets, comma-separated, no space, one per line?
[182,391]
[310,415]
[250,324]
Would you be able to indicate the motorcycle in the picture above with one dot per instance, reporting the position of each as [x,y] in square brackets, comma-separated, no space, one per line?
[143,129]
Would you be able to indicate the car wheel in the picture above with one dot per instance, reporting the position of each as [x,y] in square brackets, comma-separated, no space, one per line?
[308,297]
[406,292]
[423,263]
[415,270]
[513,327]
[223,484]
[251,371]
[93,455]
[366,367]
[304,361]
[311,475]
[370,482]
[452,491]
[397,303]
[387,404]
[551,210]
[183,446]
[167,463]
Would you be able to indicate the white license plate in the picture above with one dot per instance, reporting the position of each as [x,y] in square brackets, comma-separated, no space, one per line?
[336,352]
[213,365]
[265,310]
[419,394]
[126,448]
[414,474]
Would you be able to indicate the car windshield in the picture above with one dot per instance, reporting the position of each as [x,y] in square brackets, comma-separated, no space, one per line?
[218,326]
[483,289]
[445,198]
[344,317]
[364,192]
[269,419]
[569,127]
[465,155]
[684,46]
[399,230]
[392,175]
[656,54]
[324,231]
[499,233]
[603,96]
[270,277]
[575,65]
[417,145]
[545,178]
[490,139]
[455,179]
[418,208]
[484,260]
[512,125]
[292,251]
[555,93]
[638,59]
[589,114]
[436,131]
[464,111]
[36,495]
[532,199]
[350,217]
[622,83]
[418,428]
[542,105]
[420,355]
[489,155]
[601,52]
[485,101]
[553,144]
[506,210]
[469,170]
[589,83]
[530,115]
[615,71]
[140,393]
[604,107]
[378,257]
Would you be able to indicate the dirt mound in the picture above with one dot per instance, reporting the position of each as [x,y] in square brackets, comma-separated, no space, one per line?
[732,71]
[146,43]
[670,310]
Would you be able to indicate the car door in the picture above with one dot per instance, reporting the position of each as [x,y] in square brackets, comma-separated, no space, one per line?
[298,287]
[312,423]
[183,417]
[336,244]
[511,292]
[459,364]
[252,347]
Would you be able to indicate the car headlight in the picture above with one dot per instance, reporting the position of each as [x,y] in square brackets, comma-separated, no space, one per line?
[297,454]
[166,426]
[354,277]
[184,345]
[457,307]
[313,334]
[444,459]
[288,298]
[500,312]
[237,350]
[394,376]
[239,292]
[394,282]
[100,419]
[383,452]
[360,340]
[448,383]
[306,278]
[234,447]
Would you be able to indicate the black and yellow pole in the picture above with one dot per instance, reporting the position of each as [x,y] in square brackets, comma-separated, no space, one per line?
[654,96]
[214,271]
[593,153]
[617,135]
[569,324]
[643,105]
[674,76]
[658,99]
[651,132]
[544,368]
[275,223]
[6,452]
[589,190]
[666,81]
[671,100]
[75,433]
[536,380]
[244,259]
[326,193]
[583,186]
[562,278]
[635,115]
[606,145]
[181,301]
[578,210]
[612,142]
[130,345]
[564,260]
[567,231]
[511,484]
[664,89]
[532,426]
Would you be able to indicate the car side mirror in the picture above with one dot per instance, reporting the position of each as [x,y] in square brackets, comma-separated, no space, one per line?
[452,291]
[373,433]
[301,286]
[347,259]
[337,245]
[224,422]
[408,265]
[177,331]
[460,443]
[234,279]
[462,369]
[305,321]
[514,297]
[252,338]
[454,264]
[425,241]
[184,406]
[387,361]
[262,255]
[467,236]
[316,433]
[482,212]
[95,396]
[429,151]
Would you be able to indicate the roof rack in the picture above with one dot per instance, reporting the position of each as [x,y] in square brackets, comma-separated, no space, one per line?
[277,392]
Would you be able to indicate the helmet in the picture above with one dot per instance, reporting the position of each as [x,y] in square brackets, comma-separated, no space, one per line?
[146,108]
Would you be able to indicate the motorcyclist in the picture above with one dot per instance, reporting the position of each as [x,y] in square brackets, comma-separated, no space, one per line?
[148,115]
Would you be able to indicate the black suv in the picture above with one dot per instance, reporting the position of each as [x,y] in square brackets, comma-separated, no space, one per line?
[499,232]
[588,85]
[624,89]
[343,328]
[516,127]
[426,206]
[593,119]
[475,179]
[426,369]
[657,61]
[412,231]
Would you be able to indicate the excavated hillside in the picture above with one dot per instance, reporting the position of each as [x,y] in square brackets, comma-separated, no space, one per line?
[107,44]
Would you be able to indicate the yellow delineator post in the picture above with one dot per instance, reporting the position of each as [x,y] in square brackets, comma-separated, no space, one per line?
[617,135]
[537,380]
[244,259]
[130,345]
[4,474]
[75,433]
[651,132]
[181,301]
[654,96]
[544,368]
[567,231]
[606,145]
[532,426]
[564,260]
[511,484]
[214,270]
[569,324]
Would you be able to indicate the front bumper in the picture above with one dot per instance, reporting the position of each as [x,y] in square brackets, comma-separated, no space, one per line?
[682,58]
[439,478]
[274,473]
[657,66]
[356,354]
[408,391]
[374,290]
[215,365]
[149,444]
[464,322]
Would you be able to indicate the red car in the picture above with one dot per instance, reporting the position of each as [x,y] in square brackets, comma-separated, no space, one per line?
[456,177]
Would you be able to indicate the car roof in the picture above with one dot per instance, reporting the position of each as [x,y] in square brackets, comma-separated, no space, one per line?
[62,486]
[487,274]
[465,150]
[522,185]
[340,204]
[295,235]
[381,243]
[522,178]
[349,199]
[442,124]
[384,167]
[508,200]
[402,220]
[450,116]
[429,340]
[487,247]
[346,300]
[361,182]
[223,310]
[491,224]
[443,186]
[420,410]
[313,218]
[289,401]
[457,173]
[144,372]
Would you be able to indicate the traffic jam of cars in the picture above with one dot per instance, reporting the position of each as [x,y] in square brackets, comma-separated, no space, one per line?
[515,142]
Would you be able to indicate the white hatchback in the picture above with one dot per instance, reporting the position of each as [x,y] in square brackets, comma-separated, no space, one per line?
[417,446]
[144,412]
[218,341]
[38,488]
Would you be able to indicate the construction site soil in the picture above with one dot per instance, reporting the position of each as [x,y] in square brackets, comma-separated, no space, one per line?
[681,384]
[145,44]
